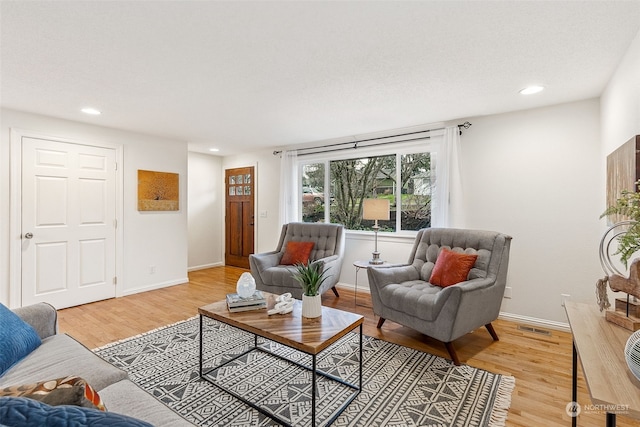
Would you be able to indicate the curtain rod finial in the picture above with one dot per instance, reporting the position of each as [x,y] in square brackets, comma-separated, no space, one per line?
[465,125]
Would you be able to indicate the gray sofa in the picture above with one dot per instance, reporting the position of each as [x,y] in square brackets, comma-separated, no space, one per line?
[328,251]
[404,295]
[60,355]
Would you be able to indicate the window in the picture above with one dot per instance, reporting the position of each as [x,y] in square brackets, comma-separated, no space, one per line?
[313,197]
[405,179]
[417,190]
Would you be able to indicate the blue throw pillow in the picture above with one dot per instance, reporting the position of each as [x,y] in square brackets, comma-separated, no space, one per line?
[17,339]
[24,412]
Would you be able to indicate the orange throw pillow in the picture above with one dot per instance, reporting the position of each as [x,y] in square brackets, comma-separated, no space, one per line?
[297,252]
[451,268]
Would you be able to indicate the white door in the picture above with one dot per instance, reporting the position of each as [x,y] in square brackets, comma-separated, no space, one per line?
[68,223]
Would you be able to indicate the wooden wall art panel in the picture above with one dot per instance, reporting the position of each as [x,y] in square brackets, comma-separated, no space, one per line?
[623,171]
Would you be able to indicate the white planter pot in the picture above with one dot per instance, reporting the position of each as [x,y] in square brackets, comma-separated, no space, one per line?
[311,306]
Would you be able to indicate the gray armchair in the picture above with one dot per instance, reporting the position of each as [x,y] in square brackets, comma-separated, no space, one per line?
[328,250]
[404,295]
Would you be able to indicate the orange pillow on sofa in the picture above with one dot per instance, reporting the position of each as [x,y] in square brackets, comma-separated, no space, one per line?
[297,252]
[451,268]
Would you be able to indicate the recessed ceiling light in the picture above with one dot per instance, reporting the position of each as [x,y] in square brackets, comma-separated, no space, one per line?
[531,90]
[214,150]
[91,111]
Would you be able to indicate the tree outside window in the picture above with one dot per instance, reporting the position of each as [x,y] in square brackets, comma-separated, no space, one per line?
[417,189]
[354,180]
[403,179]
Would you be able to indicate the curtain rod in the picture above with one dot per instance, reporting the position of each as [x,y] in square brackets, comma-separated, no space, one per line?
[354,144]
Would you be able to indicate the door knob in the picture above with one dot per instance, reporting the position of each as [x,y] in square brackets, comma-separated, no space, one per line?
[28,236]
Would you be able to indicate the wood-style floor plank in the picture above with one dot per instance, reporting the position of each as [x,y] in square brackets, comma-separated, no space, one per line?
[541,364]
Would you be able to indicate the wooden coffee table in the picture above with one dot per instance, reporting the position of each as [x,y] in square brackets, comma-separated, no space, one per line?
[310,336]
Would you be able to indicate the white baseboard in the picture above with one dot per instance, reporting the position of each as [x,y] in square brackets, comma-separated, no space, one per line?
[205,266]
[155,286]
[534,321]
[352,287]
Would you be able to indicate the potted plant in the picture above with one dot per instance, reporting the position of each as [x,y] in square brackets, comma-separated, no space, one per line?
[628,205]
[628,238]
[310,276]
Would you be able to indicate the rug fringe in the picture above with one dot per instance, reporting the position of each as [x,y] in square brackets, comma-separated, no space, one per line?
[502,402]
[111,344]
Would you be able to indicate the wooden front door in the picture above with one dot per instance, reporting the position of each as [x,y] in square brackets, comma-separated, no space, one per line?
[239,216]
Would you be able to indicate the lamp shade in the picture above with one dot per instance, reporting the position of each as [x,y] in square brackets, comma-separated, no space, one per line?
[375,209]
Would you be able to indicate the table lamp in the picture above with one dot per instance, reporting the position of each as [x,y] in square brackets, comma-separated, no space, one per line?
[375,209]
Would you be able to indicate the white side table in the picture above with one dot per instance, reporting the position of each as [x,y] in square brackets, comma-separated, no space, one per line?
[365,264]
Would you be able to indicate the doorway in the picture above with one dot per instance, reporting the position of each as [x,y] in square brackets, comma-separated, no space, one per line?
[239,216]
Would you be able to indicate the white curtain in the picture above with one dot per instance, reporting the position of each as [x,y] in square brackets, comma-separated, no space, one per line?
[288,187]
[447,173]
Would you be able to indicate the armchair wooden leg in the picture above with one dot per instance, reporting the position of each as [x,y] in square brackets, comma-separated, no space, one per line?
[452,353]
[335,291]
[492,331]
[380,322]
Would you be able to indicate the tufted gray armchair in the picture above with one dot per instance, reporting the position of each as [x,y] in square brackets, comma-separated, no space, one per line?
[404,295]
[328,250]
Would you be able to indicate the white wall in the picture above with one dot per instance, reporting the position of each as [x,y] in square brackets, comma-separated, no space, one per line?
[537,175]
[206,211]
[620,111]
[150,238]
[620,102]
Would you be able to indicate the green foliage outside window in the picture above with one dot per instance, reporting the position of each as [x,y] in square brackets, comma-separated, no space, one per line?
[353,180]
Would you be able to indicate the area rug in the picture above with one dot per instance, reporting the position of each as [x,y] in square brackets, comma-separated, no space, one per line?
[401,386]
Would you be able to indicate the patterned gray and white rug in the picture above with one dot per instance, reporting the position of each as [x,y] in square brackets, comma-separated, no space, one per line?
[401,386]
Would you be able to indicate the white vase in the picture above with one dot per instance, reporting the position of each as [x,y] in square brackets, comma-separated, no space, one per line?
[311,306]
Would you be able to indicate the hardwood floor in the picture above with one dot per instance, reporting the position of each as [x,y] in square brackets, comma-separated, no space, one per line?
[540,363]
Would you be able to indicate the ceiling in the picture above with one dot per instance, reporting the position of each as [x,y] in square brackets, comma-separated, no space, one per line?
[244,76]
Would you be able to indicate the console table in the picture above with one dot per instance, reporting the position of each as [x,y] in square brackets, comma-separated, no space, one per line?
[600,346]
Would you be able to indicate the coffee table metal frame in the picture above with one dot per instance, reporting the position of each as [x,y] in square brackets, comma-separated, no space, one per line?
[314,371]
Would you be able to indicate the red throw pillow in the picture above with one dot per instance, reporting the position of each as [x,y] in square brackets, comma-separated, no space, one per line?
[297,252]
[451,268]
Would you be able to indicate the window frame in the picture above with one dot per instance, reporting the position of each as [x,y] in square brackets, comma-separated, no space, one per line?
[426,145]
